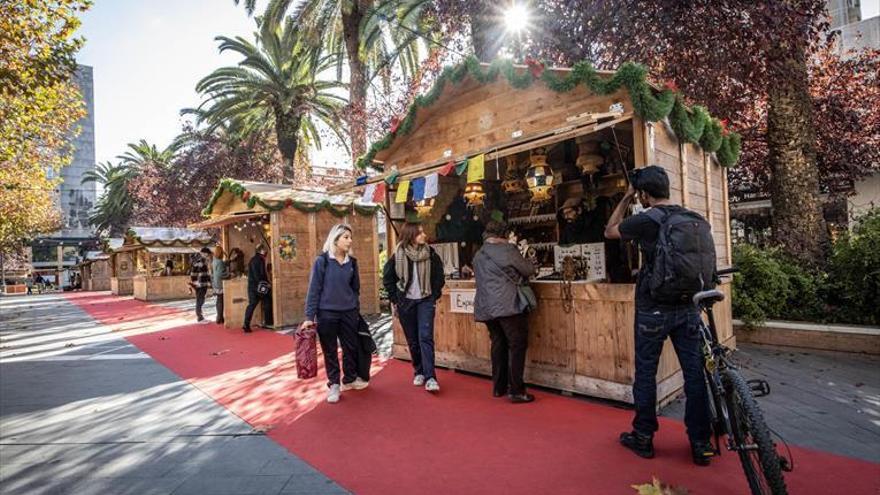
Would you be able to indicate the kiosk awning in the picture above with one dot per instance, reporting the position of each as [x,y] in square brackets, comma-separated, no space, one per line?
[172,249]
[222,220]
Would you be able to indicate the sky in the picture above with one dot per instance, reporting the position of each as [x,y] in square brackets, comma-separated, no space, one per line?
[148,56]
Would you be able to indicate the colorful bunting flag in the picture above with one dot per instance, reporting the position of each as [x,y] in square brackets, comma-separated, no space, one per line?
[392,177]
[402,191]
[418,188]
[432,185]
[369,193]
[361,180]
[379,195]
[476,168]
[461,167]
[447,169]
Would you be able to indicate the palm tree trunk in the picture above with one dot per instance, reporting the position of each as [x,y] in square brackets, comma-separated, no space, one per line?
[797,221]
[357,123]
[286,131]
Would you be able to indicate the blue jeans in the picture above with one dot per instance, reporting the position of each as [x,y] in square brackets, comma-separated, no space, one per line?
[417,319]
[651,329]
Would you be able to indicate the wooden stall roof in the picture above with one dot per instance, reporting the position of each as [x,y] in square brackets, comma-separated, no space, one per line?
[140,237]
[234,199]
[172,249]
[91,257]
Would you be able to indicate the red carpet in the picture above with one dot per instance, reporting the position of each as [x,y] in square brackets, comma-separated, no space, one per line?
[395,438]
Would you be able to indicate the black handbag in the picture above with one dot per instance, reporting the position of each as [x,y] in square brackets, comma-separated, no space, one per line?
[263,288]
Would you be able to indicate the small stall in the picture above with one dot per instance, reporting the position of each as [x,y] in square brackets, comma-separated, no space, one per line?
[160,259]
[550,151]
[293,224]
[95,271]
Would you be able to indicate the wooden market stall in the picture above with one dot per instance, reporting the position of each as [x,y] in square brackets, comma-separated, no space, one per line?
[293,224]
[519,154]
[150,249]
[95,271]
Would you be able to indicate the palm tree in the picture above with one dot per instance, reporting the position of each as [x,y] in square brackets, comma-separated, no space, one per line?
[142,153]
[114,209]
[275,86]
[370,35]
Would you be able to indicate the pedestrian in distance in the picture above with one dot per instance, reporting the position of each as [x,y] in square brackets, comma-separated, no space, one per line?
[500,270]
[413,277]
[259,290]
[218,274]
[333,304]
[664,308]
[200,280]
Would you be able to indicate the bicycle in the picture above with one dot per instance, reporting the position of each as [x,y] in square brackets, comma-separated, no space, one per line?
[734,412]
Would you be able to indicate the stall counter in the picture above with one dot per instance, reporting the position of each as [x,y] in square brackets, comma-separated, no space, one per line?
[588,350]
[235,301]
[161,288]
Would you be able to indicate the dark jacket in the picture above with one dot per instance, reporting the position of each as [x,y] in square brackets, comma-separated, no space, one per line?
[333,286]
[497,295]
[257,272]
[390,278]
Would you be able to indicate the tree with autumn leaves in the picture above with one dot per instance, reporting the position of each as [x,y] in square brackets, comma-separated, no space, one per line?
[39,108]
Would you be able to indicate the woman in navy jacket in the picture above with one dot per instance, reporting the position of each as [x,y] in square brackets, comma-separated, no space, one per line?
[333,304]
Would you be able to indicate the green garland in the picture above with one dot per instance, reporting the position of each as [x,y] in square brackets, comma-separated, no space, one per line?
[690,125]
[253,200]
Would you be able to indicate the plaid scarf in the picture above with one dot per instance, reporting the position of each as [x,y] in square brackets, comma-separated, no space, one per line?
[421,257]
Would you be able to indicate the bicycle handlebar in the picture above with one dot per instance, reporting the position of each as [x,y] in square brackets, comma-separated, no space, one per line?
[728,271]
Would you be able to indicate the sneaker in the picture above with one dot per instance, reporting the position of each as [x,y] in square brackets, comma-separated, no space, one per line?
[357,384]
[419,380]
[702,453]
[642,445]
[203,322]
[521,398]
[432,386]
[333,394]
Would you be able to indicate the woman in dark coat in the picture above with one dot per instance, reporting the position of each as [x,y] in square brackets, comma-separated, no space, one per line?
[413,278]
[499,269]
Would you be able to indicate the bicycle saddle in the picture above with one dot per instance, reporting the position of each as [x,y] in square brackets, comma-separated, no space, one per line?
[708,297]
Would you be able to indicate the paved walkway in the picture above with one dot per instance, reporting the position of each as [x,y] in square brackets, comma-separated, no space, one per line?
[82,411]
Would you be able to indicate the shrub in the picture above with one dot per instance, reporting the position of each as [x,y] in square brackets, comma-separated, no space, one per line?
[854,272]
[770,285]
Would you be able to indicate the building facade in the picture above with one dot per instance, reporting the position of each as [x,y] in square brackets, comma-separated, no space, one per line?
[53,255]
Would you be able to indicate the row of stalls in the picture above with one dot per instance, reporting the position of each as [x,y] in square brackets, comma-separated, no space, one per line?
[95,269]
[293,225]
[153,263]
[536,150]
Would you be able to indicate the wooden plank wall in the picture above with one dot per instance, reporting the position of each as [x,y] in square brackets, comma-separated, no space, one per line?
[697,182]
[472,116]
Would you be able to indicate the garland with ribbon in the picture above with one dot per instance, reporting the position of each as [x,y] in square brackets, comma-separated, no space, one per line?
[692,125]
[253,200]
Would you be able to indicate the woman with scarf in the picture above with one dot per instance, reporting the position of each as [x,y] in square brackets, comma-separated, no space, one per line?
[413,278]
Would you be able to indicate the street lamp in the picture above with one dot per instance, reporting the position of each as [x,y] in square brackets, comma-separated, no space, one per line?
[516,17]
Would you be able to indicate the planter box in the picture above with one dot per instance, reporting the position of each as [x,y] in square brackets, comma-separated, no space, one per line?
[845,338]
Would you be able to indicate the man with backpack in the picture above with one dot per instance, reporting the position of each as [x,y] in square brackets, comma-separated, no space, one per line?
[678,255]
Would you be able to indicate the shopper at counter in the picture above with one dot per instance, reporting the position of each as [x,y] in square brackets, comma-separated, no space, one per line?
[218,274]
[200,280]
[654,321]
[499,269]
[259,289]
[413,277]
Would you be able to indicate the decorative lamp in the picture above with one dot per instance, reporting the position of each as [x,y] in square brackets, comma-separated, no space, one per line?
[512,183]
[589,160]
[539,177]
[424,207]
[474,194]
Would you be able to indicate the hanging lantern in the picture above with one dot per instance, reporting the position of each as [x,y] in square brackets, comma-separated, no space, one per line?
[474,194]
[539,177]
[512,183]
[589,160]
[424,207]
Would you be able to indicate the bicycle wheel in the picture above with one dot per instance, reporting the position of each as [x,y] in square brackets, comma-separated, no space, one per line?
[757,451]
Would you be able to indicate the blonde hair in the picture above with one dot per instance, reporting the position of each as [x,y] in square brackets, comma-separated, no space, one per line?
[334,235]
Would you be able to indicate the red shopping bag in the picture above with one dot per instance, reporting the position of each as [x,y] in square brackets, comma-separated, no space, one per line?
[306,351]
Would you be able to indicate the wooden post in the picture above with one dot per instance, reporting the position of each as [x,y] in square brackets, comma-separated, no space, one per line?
[640,143]
[707,170]
[683,170]
[725,200]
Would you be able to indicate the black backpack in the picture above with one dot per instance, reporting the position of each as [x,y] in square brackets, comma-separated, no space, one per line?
[684,258]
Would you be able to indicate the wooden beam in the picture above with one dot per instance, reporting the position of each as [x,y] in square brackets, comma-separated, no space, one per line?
[498,150]
[683,170]
[640,143]
[726,202]
[708,171]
